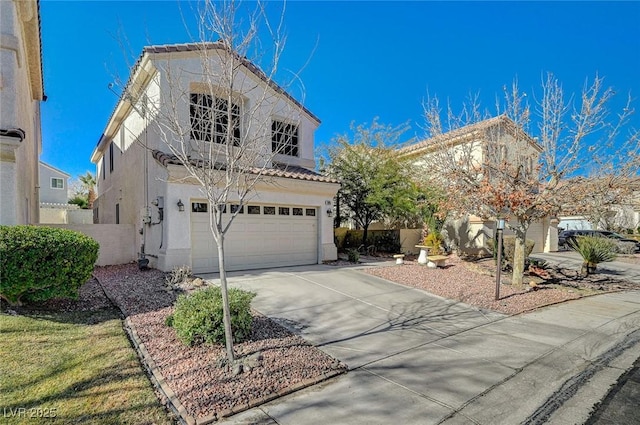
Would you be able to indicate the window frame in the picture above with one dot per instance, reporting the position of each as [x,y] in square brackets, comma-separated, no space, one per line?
[283,140]
[56,179]
[208,118]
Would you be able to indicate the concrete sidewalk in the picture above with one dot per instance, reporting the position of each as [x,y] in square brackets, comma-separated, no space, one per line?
[418,359]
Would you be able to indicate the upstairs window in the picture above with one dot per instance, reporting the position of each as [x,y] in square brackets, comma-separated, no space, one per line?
[210,119]
[284,138]
[111,157]
[57,183]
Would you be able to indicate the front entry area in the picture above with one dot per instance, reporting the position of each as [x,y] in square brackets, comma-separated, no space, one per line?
[261,236]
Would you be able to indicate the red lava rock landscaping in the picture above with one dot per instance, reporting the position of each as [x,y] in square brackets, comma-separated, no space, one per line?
[280,361]
[472,284]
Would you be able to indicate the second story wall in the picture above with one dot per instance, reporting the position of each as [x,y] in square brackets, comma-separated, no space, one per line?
[53,185]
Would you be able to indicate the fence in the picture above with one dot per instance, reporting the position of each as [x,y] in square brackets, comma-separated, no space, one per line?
[117,241]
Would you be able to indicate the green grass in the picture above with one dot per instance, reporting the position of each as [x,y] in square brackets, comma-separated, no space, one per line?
[79,367]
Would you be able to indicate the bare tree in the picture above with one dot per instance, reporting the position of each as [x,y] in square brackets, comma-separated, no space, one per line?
[495,168]
[217,117]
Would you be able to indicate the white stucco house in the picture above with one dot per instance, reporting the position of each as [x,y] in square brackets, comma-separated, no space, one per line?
[21,91]
[496,138]
[287,219]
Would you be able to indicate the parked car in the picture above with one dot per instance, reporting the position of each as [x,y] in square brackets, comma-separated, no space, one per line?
[567,237]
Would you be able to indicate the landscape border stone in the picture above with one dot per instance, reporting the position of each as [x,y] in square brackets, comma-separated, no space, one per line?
[172,401]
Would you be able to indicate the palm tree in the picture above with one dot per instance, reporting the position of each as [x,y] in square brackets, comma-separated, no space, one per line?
[88,183]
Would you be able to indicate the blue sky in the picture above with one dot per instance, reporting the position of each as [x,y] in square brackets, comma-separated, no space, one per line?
[366,59]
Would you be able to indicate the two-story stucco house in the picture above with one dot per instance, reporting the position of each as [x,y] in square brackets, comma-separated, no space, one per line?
[478,146]
[21,91]
[287,220]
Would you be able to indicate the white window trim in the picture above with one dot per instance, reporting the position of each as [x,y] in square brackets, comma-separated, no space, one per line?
[55,187]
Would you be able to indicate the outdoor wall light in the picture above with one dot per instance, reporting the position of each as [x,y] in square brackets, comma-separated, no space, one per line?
[329,212]
[180,205]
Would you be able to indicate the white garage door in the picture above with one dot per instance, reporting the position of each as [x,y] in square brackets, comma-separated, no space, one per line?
[261,236]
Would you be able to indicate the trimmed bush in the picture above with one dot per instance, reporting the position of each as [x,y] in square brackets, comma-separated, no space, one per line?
[39,263]
[353,255]
[198,319]
[509,247]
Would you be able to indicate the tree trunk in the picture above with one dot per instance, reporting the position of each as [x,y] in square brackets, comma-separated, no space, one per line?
[587,269]
[518,256]
[226,315]
[365,230]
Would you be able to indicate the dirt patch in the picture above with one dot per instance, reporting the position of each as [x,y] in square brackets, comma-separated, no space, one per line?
[473,282]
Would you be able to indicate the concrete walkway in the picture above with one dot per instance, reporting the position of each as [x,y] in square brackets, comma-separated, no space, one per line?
[415,358]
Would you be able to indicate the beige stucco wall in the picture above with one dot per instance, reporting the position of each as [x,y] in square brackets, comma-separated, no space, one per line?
[137,179]
[53,216]
[20,95]
[409,238]
[65,215]
[116,241]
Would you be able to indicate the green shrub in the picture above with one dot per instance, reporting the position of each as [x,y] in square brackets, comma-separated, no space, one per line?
[353,239]
[386,240]
[509,248]
[198,317]
[39,263]
[354,255]
[593,250]
[338,237]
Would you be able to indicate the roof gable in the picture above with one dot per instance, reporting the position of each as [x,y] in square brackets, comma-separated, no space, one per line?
[52,168]
[467,133]
[141,70]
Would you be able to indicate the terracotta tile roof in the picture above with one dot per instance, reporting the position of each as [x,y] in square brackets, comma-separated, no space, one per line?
[278,170]
[463,131]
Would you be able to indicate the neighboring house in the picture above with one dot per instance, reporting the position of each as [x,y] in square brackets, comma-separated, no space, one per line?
[613,204]
[494,139]
[54,196]
[21,91]
[287,222]
[53,185]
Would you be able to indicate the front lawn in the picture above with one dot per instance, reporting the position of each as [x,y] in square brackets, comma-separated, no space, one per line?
[74,367]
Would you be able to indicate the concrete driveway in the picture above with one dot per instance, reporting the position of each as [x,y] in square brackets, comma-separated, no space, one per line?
[415,358]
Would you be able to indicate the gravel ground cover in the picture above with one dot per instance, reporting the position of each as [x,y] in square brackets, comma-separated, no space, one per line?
[474,283]
[278,360]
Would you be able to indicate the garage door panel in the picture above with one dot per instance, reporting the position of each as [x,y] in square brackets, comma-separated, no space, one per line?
[256,241]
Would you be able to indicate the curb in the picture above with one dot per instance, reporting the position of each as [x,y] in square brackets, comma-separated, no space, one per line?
[158,380]
[177,407]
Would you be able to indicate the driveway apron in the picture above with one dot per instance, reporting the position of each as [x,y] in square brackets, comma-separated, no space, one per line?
[415,358]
